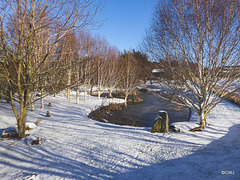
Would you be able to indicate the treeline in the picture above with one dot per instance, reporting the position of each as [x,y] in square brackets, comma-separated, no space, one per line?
[81,61]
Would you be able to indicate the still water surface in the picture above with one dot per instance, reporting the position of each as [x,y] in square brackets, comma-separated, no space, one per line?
[143,114]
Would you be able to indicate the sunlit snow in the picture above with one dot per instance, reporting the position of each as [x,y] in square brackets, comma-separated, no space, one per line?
[76,147]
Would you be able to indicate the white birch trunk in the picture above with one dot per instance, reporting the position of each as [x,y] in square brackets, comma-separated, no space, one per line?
[99,94]
[31,100]
[68,89]
[85,93]
[42,99]
[125,101]
[89,91]
[77,95]
[69,94]
[202,119]
[110,92]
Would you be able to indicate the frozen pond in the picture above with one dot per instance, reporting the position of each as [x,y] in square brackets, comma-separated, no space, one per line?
[143,114]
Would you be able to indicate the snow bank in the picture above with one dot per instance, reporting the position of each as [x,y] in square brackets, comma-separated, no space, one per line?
[76,147]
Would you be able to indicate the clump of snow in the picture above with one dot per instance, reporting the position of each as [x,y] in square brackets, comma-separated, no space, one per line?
[33,176]
[162,111]
[76,147]
[30,125]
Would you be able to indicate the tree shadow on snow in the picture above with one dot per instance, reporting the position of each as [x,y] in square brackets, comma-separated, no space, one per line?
[218,160]
[47,163]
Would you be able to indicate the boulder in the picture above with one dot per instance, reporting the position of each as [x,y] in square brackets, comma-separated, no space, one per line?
[161,123]
[48,114]
[38,141]
[174,129]
[10,133]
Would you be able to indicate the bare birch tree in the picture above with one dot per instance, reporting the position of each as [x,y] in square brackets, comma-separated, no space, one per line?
[100,63]
[203,38]
[68,51]
[86,53]
[113,70]
[130,74]
[21,22]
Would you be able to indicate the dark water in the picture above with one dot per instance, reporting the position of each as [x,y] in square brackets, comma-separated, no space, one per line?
[143,114]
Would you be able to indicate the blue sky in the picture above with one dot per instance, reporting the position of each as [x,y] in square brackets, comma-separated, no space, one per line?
[125,22]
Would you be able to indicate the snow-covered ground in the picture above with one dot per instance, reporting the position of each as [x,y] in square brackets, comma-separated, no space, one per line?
[76,147]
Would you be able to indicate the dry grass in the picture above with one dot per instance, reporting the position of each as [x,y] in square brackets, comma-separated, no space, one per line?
[103,113]
[234,98]
[178,108]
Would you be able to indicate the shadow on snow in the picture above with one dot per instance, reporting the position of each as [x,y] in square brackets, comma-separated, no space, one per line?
[210,162]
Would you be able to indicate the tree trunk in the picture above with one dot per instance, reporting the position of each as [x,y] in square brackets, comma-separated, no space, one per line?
[32,99]
[110,93]
[126,96]
[22,116]
[42,99]
[89,93]
[77,95]
[85,93]
[69,89]
[203,120]
[68,94]
[99,94]
[21,123]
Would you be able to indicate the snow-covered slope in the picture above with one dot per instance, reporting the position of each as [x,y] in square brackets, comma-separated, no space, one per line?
[76,147]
